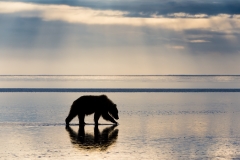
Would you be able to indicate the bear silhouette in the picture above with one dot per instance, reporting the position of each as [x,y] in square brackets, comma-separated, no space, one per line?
[99,105]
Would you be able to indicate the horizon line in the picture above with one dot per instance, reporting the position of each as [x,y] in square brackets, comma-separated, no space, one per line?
[120,75]
[120,90]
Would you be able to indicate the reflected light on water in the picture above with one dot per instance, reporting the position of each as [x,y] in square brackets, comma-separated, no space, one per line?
[118,81]
[223,148]
[152,125]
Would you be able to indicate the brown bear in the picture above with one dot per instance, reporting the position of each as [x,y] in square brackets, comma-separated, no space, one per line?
[86,105]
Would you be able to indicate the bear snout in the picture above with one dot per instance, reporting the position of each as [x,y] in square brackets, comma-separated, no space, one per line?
[116,117]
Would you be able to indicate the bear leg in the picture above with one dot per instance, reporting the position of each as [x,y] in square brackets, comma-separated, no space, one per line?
[70,117]
[81,118]
[96,117]
[107,117]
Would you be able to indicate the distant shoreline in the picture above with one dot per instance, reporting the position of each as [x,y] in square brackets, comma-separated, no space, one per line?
[130,90]
[134,75]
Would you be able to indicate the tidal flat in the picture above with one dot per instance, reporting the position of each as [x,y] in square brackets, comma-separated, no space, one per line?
[151,126]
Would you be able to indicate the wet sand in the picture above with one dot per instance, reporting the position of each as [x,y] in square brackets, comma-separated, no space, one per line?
[151,126]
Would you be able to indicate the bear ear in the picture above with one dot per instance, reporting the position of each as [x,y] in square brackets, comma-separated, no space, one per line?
[103,95]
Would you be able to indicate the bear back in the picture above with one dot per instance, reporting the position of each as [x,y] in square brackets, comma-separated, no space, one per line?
[89,104]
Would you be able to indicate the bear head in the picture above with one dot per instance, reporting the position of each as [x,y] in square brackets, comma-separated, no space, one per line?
[113,111]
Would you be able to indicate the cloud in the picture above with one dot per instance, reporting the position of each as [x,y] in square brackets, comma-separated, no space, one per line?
[72,14]
[185,15]
[143,8]
[116,39]
[176,47]
[201,34]
[198,41]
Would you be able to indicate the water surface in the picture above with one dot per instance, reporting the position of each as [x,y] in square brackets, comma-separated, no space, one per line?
[121,81]
[152,125]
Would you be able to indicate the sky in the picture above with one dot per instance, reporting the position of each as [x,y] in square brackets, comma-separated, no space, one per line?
[119,37]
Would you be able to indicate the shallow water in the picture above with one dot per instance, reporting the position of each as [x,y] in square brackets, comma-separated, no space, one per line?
[151,126]
[128,81]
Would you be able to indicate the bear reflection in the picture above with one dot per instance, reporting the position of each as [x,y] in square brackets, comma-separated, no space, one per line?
[99,141]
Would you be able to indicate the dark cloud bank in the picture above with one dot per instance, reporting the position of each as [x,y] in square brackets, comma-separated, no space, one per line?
[143,8]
